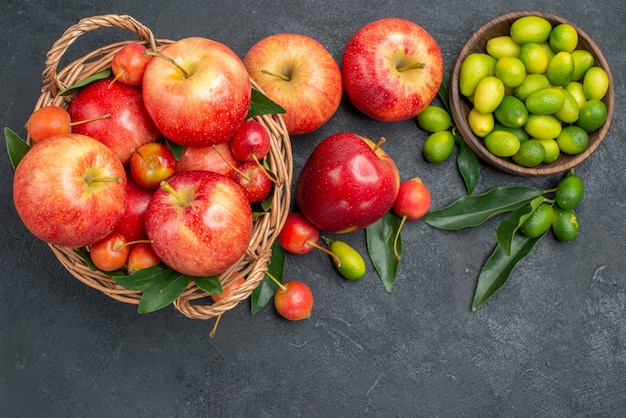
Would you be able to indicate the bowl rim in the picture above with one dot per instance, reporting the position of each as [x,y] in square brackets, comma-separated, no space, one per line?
[459,106]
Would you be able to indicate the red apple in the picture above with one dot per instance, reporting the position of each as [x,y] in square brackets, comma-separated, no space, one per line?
[347,183]
[137,198]
[70,190]
[218,159]
[129,126]
[152,163]
[129,64]
[200,223]
[392,69]
[200,94]
[298,73]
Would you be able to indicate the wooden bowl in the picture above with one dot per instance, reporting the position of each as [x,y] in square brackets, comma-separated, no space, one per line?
[460,106]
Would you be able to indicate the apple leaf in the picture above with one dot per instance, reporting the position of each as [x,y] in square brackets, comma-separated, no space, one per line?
[163,292]
[266,289]
[209,284]
[260,104]
[380,241]
[16,146]
[82,83]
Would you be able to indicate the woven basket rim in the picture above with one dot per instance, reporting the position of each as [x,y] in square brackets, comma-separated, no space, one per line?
[253,264]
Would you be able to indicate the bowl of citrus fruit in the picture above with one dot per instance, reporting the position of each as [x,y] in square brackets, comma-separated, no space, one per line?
[531,94]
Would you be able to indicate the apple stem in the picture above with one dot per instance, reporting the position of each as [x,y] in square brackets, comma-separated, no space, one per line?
[327,251]
[241,173]
[417,65]
[395,241]
[79,122]
[214,330]
[166,186]
[281,76]
[168,59]
[275,280]
[89,180]
[265,170]
[379,144]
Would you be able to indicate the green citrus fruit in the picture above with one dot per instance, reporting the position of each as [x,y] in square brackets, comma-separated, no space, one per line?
[511,112]
[352,265]
[583,60]
[565,224]
[520,133]
[530,29]
[434,119]
[438,146]
[534,58]
[530,154]
[563,37]
[592,115]
[474,68]
[543,126]
[569,112]
[510,70]
[572,140]
[539,222]
[531,84]
[502,46]
[560,68]
[569,192]
[502,143]
[552,150]
[575,88]
[595,83]
[488,94]
[545,102]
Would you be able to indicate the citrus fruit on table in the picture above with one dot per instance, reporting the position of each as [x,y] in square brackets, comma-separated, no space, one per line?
[438,146]
[569,192]
[565,224]
[539,222]
[434,119]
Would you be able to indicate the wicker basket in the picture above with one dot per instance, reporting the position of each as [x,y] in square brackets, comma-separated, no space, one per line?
[460,106]
[194,303]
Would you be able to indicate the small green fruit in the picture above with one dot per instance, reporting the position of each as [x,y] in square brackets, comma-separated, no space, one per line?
[348,262]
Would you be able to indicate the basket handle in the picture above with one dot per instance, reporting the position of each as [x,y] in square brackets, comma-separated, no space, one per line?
[50,75]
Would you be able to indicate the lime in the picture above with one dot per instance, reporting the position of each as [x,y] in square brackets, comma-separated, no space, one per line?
[480,124]
[511,112]
[510,70]
[583,60]
[563,38]
[592,115]
[474,68]
[531,153]
[438,146]
[569,191]
[572,140]
[534,58]
[530,29]
[502,143]
[546,101]
[551,148]
[539,222]
[520,133]
[531,84]
[434,119]
[352,265]
[595,83]
[502,46]
[560,69]
[543,126]
[488,95]
[575,88]
[565,224]
[570,111]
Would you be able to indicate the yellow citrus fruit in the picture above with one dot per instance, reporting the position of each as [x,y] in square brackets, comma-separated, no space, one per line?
[438,146]
[560,68]
[543,126]
[488,95]
[551,148]
[545,102]
[563,37]
[530,154]
[565,224]
[534,58]
[569,191]
[520,133]
[583,60]
[592,115]
[530,29]
[481,124]
[474,68]
[539,222]
[595,83]
[572,140]
[502,143]
[434,119]
[502,46]
[575,88]
[510,70]
[548,50]
[511,112]
[531,84]
[570,111]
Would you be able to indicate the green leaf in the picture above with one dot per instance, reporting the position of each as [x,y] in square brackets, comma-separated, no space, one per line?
[473,210]
[82,83]
[209,284]
[260,104]
[498,267]
[16,146]
[467,163]
[444,89]
[264,292]
[508,227]
[380,237]
[163,292]
[143,279]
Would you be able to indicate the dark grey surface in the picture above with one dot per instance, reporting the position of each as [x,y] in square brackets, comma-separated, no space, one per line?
[551,343]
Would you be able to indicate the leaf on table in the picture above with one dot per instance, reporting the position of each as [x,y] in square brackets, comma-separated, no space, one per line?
[16,146]
[266,289]
[508,227]
[467,163]
[380,237]
[473,210]
[260,104]
[163,292]
[82,83]
[498,267]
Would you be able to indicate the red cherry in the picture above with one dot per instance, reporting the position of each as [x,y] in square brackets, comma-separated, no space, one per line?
[294,300]
[141,256]
[412,202]
[110,253]
[152,163]
[129,64]
[226,291]
[252,179]
[49,121]
[251,142]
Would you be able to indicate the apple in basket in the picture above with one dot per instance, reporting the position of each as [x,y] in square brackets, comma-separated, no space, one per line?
[392,69]
[197,91]
[200,222]
[70,190]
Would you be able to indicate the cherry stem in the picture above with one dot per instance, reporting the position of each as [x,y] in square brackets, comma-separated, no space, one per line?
[281,76]
[214,330]
[275,280]
[166,186]
[265,170]
[116,77]
[138,241]
[395,241]
[168,59]
[417,65]
[327,251]
[379,144]
[241,173]
[78,122]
